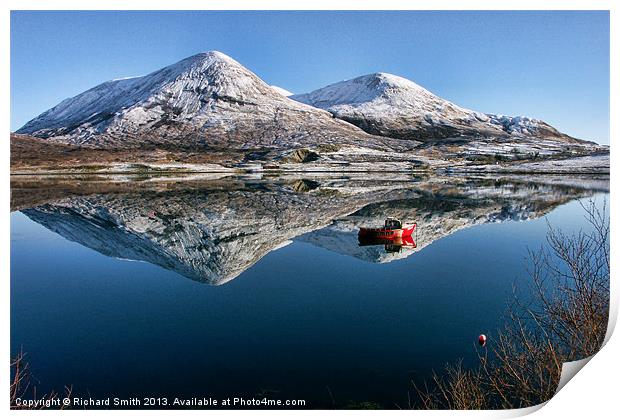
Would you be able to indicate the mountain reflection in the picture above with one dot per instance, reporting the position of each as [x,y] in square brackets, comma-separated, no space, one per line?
[211,231]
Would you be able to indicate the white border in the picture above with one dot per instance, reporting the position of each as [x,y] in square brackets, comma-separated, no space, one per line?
[592,395]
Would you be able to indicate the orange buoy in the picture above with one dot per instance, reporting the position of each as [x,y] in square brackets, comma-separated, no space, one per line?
[482,340]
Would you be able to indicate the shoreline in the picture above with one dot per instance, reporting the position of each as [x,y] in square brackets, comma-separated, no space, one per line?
[440,171]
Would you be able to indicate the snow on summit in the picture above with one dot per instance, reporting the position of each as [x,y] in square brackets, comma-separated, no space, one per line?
[377,88]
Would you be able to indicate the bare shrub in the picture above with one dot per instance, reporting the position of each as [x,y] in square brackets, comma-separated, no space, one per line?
[23,388]
[565,319]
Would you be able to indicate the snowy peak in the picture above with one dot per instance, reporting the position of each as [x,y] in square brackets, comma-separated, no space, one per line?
[184,84]
[363,89]
[382,94]
[217,71]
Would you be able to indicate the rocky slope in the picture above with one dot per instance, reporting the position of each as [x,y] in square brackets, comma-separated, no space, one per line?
[211,232]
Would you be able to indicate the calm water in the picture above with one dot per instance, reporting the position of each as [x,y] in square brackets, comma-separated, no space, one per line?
[259,288]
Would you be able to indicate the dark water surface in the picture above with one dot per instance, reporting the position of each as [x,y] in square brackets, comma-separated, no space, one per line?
[256,288]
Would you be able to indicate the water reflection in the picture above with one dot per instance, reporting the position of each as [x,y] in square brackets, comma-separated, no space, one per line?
[211,231]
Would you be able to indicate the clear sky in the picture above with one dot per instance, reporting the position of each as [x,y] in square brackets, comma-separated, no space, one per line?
[548,65]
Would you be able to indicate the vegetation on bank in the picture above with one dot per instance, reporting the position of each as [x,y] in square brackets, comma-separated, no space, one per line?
[23,388]
[565,320]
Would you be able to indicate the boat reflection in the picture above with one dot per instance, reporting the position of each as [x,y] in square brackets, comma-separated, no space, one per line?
[392,228]
[391,246]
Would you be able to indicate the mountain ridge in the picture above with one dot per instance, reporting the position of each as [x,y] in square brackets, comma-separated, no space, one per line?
[389,105]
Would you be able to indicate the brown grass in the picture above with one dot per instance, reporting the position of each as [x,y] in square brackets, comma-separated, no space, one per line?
[30,154]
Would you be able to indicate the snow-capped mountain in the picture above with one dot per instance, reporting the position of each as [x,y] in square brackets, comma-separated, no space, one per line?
[389,105]
[206,98]
[209,109]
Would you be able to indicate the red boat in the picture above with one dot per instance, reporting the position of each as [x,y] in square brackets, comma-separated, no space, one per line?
[392,228]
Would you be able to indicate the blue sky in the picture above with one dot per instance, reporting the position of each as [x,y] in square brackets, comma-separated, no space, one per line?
[548,65]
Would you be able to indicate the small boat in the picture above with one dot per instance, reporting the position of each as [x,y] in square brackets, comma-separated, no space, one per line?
[392,228]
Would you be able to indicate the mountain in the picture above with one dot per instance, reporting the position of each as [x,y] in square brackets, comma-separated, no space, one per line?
[210,113]
[207,100]
[389,105]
